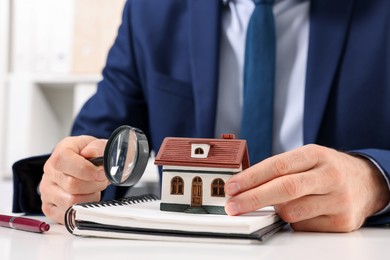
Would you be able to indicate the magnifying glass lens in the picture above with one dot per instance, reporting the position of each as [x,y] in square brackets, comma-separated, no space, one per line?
[123,155]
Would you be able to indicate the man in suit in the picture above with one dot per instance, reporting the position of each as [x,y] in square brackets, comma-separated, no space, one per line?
[175,69]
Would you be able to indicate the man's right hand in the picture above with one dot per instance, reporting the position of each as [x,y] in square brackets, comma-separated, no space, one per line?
[70,178]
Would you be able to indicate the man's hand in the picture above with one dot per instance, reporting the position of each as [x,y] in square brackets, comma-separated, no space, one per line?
[69,178]
[314,188]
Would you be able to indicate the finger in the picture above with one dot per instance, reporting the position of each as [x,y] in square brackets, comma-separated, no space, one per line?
[305,208]
[280,190]
[55,210]
[75,186]
[94,149]
[53,193]
[296,161]
[52,212]
[70,163]
[56,201]
[80,168]
[66,158]
[49,204]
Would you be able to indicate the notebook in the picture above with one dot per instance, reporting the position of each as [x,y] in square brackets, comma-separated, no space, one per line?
[140,217]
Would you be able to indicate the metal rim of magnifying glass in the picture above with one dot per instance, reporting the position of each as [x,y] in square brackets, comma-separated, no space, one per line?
[141,158]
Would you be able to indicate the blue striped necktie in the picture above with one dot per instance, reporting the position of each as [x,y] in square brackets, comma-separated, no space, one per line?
[259,81]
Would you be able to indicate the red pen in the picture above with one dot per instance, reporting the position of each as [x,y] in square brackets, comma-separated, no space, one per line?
[25,224]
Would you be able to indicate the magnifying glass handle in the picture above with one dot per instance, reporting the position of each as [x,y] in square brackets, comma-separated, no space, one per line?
[98,161]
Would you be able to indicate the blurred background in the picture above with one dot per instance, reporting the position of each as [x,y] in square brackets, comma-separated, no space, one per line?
[51,56]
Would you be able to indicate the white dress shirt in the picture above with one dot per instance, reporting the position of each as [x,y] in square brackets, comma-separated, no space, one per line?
[292,32]
[292,37]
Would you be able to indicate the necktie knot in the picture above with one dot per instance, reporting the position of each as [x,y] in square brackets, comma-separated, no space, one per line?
[269,2]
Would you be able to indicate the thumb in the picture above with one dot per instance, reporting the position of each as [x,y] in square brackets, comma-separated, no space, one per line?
[94,148]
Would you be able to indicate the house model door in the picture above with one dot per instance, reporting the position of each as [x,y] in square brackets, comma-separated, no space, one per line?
[196,194]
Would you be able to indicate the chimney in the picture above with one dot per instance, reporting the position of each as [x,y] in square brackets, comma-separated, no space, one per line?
[228,136]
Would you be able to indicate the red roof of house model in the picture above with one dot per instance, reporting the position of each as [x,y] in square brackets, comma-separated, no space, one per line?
[224,153]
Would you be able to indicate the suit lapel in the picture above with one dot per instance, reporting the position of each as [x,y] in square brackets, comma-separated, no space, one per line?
[204,52]
[329,21]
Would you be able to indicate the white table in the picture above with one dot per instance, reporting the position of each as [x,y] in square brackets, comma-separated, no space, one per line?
[58,244]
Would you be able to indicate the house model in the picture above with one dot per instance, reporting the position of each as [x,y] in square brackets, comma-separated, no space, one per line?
[195,170]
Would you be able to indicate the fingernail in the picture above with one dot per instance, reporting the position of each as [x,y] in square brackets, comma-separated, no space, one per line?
[232,208]
[232,188]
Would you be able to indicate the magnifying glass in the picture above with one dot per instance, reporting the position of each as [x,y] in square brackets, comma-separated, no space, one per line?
[125,156]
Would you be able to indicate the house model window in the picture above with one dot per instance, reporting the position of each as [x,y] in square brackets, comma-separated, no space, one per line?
[218,188]
[200,150]
[177,186]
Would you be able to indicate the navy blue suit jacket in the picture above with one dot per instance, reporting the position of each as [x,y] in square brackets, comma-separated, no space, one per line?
[162,75]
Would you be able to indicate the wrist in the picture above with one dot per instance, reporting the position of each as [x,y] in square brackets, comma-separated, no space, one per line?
[377,187]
